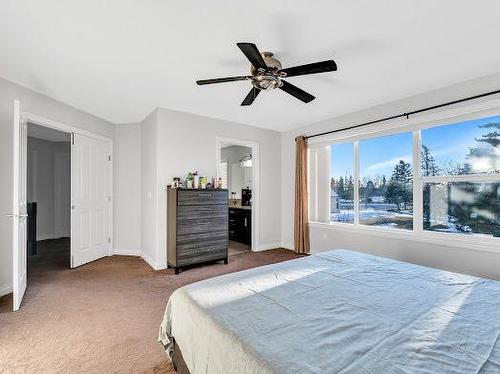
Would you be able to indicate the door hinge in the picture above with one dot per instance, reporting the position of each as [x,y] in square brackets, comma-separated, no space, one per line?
[109,158]
[109,240]
[109,198]
[73,138]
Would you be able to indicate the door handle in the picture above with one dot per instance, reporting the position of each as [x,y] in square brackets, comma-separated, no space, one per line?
[16,215]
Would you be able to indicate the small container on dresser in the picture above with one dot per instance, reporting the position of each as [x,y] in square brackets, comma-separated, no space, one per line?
[197,222]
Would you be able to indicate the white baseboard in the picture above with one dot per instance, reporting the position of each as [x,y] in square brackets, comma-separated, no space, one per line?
[61,234]
[266,246]
[45,237]
[127,252]
[5,289]
[150,261]
[139,253]
[161,266]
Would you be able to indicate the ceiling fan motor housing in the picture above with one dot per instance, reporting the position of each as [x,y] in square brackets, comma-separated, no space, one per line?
[267,79]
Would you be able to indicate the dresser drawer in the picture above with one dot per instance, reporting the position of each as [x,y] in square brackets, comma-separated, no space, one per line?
[189,212]
[196,248]
[206,237]
[201,197]
[212,254]
[201,225]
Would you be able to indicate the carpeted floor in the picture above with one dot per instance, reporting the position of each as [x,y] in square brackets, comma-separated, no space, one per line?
[102,317]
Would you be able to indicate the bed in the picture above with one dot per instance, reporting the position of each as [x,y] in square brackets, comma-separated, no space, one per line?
[337,312]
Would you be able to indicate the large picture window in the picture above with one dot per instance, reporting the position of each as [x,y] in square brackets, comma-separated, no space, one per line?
[443,178]
[342,183]
[386,180]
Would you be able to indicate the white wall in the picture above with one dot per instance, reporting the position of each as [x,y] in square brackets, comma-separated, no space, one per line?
[149,195]
[52,219]
[62,190]
[43,106]
[447,257]
[127,189]
[188,142]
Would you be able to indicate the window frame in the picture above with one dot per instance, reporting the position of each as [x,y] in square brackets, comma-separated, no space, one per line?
[415,124]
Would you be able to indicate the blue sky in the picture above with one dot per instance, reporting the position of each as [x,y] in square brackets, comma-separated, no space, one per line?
[379,155]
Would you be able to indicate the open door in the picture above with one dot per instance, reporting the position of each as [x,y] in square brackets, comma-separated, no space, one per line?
[90,199]
[19,215]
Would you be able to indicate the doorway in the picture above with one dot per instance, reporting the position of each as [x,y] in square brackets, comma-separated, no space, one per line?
[238,168]
[76,180]
[48,200]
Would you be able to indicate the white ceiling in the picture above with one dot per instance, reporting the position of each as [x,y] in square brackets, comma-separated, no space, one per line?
[46,133]
[119,59]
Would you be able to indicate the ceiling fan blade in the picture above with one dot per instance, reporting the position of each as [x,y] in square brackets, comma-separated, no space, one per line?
[222,80]
[296,92]
[314,68]
[251,96]
[250,50]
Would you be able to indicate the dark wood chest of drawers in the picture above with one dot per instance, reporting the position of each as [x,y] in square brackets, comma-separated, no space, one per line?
[197,227]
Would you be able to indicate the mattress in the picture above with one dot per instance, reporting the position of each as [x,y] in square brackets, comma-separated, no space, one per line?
[337,312]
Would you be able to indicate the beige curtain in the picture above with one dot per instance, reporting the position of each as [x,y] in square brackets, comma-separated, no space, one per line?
[301,222]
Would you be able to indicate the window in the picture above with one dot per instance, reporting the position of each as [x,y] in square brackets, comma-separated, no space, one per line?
[460,172]
[462,207]
[470,147]
[342,183]
[222,173]
[386,182]
[452,171]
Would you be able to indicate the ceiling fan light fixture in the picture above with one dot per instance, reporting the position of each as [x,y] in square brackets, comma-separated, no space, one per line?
[266,82]
[267,74]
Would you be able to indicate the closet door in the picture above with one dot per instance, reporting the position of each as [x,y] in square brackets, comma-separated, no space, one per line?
[90,199]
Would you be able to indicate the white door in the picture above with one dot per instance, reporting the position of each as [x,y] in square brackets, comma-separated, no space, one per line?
[19,253]
[62,195]
[90,199]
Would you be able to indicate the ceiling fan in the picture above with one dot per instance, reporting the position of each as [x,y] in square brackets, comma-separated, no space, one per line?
[267,74]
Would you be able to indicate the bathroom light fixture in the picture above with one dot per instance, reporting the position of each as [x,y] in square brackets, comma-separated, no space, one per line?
[246,161]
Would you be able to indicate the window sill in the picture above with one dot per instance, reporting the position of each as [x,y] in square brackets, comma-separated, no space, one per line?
[472,242]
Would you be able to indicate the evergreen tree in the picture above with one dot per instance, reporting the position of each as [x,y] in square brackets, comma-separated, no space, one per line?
[370,188]
[350,188]
[341,188]
[429,167]
[486,158]
[492,138]
[399,190]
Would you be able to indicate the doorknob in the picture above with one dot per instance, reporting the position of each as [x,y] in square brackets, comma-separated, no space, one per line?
[16,215]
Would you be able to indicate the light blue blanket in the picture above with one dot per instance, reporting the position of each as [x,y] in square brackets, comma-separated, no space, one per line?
[337,312]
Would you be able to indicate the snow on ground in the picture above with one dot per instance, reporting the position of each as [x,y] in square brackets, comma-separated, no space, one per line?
[348,215]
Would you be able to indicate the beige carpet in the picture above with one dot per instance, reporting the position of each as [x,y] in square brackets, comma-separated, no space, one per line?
[102,317]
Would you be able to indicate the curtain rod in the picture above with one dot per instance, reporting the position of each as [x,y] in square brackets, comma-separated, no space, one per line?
[407,115]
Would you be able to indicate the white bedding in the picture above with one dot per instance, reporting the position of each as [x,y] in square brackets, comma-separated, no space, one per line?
[337,312]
